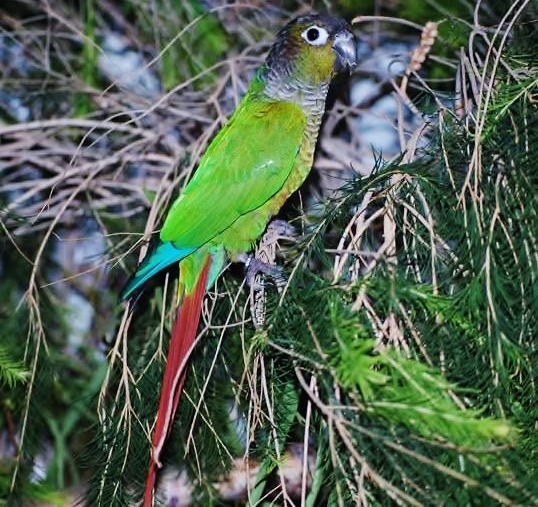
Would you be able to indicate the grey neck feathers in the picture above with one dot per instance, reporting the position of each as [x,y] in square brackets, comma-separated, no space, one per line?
[281,86]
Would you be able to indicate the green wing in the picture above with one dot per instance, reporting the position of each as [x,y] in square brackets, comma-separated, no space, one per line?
[247,163]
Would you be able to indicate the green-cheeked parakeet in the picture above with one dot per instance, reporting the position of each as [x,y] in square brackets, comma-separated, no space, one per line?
[257,160]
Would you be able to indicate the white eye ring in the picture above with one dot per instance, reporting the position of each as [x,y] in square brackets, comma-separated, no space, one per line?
[315,35]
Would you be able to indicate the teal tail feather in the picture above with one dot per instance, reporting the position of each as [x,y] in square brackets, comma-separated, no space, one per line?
[158,259]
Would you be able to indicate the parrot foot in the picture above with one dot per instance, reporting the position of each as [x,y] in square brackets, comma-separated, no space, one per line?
[255,267]
[280,229]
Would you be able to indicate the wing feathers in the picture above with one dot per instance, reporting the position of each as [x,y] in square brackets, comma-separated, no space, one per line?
[247,163]
[163,256]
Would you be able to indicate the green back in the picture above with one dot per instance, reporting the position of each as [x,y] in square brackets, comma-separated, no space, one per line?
[246,164]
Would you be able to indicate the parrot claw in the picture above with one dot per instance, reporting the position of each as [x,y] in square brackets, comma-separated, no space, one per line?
[255,267]
[281,229]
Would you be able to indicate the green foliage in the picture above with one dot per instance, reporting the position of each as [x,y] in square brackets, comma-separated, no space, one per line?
[384,398]
[422,12]
[190,39]
[285,402]
[89,58]
[412,394]
[47,392]
[12,372]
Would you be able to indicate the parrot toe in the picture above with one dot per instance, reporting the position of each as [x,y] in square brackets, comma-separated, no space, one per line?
[255,267]
[282,229]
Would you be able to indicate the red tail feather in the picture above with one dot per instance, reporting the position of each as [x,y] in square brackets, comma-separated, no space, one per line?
[181,343]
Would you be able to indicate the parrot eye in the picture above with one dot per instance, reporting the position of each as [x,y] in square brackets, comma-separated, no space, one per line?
[315,35]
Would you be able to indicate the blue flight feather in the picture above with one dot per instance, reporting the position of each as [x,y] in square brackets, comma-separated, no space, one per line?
[164,255]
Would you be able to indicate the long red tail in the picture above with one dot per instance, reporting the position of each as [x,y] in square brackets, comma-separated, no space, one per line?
[181,342]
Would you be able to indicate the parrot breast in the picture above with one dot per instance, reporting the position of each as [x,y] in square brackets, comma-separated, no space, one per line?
[243,233]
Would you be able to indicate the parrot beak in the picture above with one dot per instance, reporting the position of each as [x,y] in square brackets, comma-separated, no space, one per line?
[345,47]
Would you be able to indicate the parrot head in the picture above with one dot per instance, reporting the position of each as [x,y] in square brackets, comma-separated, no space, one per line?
[312,49]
